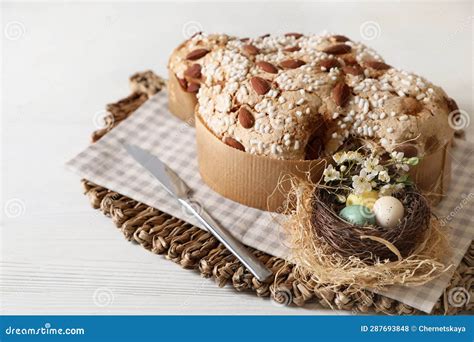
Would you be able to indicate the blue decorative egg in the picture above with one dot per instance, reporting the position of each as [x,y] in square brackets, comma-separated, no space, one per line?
[358,215]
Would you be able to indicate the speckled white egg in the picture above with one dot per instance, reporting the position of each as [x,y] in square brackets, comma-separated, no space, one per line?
[388,211]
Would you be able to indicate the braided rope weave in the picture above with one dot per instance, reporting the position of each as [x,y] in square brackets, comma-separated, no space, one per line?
[196,249]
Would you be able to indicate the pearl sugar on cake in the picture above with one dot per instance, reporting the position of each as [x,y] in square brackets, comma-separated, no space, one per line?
[388,211]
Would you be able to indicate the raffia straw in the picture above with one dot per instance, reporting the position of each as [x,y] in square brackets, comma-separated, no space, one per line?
[388,244]
[316,260]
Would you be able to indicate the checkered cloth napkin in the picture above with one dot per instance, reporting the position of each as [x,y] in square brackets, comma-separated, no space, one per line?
[154,128]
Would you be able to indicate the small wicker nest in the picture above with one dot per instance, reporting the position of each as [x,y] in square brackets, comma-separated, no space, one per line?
[348,240]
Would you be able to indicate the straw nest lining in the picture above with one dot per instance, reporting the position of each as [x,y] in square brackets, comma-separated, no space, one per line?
[318,260]
[371,242]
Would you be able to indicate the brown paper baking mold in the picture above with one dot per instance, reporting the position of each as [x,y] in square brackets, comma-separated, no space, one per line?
[433,174]
[256,181]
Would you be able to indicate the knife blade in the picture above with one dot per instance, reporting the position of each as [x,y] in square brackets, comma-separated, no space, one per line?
[178,189]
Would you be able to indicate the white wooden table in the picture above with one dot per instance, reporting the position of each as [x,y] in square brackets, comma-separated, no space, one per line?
[63,62]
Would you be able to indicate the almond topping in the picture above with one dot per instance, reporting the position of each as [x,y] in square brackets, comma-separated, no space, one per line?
[329,63]
[340,38]
[183,83]
[355,70]
[251,50]
[193,87]
[197,54]
[267,67]
[294,34]
[338,49]
[194,71]
[292,63]
[234,143]
[260,85]
[340,94]
[452,105]
[292,49]
[377,65]
[350,60]
[246,118]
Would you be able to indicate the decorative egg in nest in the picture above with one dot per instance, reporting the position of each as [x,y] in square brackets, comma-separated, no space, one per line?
[366,205]
[367,199]
[358,215]
[349,238]
[388,211]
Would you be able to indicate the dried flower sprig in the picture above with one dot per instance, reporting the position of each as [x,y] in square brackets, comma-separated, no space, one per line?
[358,172]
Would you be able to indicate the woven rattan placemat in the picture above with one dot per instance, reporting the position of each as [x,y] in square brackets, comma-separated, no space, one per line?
[196,249]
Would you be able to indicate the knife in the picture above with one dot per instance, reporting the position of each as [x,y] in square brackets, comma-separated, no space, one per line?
[179,190]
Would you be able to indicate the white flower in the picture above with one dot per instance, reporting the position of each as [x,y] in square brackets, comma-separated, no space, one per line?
[343,168]
[384,177]
[362,183]
[390,189]
[331,174]
[400,163]
[339,157]
[397,156]
[387,190]
[356,156]
[404,167]
[368,175]
[372,166]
